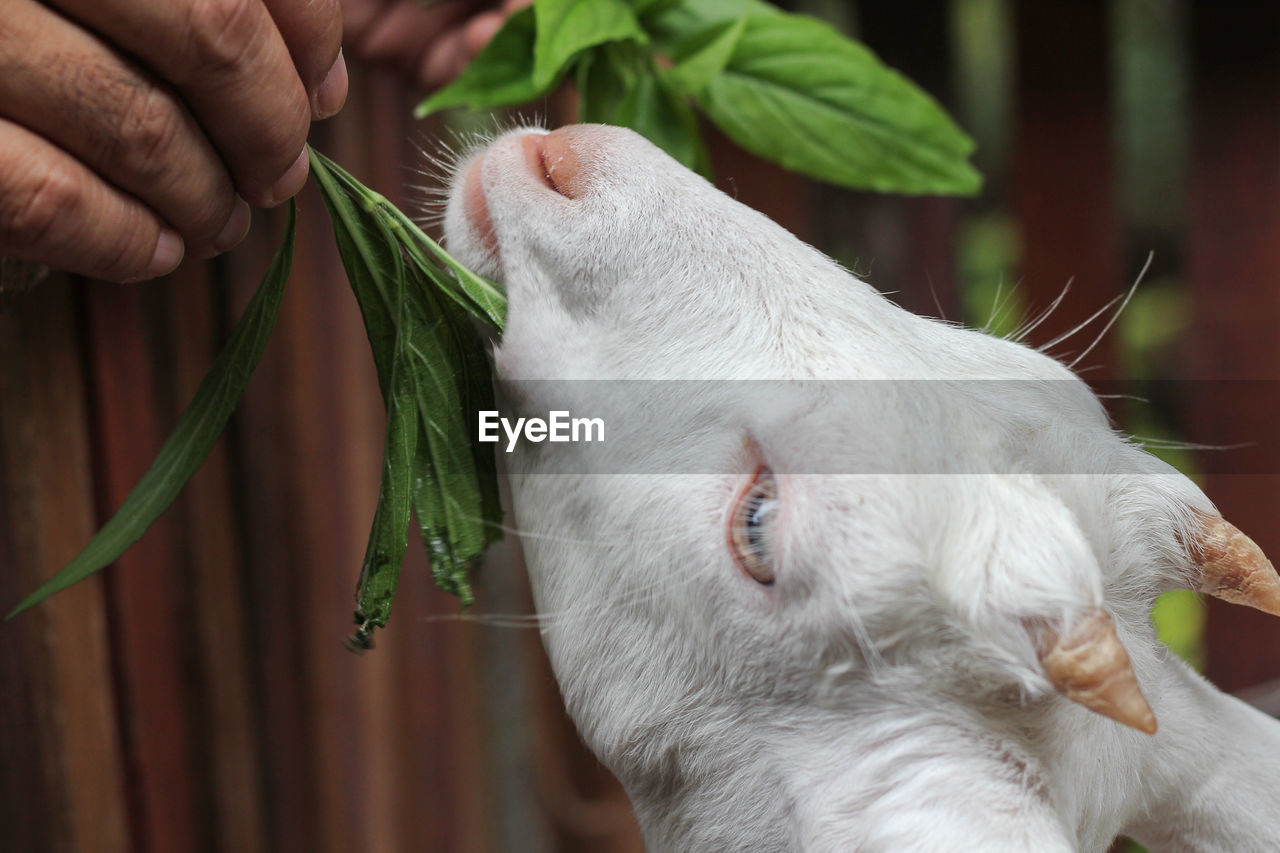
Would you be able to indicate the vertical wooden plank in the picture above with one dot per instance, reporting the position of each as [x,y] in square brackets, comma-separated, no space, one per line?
[50,498]
[382,734]
[146,582]
[332,506]
[1063,172]
[265,482]
[313,428]
[307,416]
[518,696]
[30,805]
[1234,273]
[339,458]
[228,741]
[905,246]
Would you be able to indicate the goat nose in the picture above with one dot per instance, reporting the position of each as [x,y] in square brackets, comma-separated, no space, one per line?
[553,158]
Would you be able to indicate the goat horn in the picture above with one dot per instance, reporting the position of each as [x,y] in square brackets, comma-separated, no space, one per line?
[1089,665]
[1233,568]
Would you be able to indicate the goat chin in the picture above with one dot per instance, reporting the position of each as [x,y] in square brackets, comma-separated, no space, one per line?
[840,577]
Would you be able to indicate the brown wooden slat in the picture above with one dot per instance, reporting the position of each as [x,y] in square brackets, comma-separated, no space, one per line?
[1234,275]
[30,804]
[327,554]
[312,431]
[46,447]
[229,745]
[148,621]
[518,695]
[1063,172]
[339,460]
[265,483]
[905,246]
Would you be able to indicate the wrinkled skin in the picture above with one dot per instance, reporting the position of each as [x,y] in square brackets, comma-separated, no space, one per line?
[884,691]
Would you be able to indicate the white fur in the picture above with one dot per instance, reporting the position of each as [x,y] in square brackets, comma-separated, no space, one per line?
[884,694]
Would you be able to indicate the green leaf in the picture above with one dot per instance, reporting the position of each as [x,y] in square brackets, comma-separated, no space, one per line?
[652,7]
[388,537]
[624,87]
[668,23]
[663,117]
[450,487]
[567,27]
[799,93]
[195,434]
[482,298]
[479,296]
[500,75]
[601,87]
[365,258]
[704,54]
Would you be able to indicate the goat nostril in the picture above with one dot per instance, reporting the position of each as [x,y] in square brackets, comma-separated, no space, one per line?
[546,173]
[550,157]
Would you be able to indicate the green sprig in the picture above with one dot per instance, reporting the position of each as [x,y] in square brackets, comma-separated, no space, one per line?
[418,304]
[787,87]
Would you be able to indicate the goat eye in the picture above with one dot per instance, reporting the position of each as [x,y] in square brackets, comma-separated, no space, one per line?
[751,526]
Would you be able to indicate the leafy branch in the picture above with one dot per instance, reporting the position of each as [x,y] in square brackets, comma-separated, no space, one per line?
[433,372]
[787,87]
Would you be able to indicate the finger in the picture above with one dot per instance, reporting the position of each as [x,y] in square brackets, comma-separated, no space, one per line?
[480,30]
[55,211]
[405,32]
[312,30]
[230,64]
[124,126]
[358,15]
[444,60]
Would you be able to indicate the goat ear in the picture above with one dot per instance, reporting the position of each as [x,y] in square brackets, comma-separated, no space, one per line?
[1088,664]
[1230,566]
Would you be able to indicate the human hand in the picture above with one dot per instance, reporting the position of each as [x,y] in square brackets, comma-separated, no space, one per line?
[134,130]
[428,44]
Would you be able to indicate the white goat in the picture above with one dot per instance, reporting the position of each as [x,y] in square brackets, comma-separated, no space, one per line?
[829,615]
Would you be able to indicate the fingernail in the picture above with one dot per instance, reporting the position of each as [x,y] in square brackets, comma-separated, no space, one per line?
[289,184]
[167,256]
[331,94]
[235,229]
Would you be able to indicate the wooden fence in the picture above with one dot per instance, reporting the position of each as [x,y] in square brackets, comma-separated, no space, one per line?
[197,696]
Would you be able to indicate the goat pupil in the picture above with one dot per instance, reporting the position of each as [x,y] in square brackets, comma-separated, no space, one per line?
[750,526]
[759,511]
